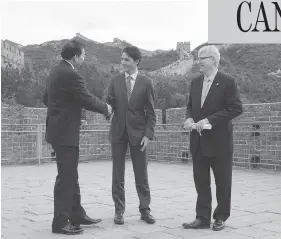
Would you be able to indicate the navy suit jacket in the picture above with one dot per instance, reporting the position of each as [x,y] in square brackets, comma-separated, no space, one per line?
[137,114]
[221,105]
[65,96]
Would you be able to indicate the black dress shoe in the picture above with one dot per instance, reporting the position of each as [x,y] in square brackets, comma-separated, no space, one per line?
[148,218]
[85,221]
[68,230]
[76,226]
[218,225]
[196,224]
[118,219]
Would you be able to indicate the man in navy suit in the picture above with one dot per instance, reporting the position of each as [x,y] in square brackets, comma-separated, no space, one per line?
[214,99]
[65,96]
[132,97]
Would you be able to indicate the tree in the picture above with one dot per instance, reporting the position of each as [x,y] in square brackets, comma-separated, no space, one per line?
[10,80]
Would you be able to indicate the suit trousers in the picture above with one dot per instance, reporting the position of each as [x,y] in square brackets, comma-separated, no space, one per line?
[140,161]
[67,198]
[222,169]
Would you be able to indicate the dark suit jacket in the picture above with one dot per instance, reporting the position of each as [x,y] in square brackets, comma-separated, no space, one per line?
[137,114]
[65,96]
[221,105]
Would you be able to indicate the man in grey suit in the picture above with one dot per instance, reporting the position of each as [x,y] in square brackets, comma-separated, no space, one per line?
[131,96]
[214,99]
[65,96]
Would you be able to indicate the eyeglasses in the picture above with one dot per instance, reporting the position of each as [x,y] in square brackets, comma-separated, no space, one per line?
[203,58]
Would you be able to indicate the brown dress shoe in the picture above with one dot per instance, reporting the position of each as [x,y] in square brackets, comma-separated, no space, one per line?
[218,225]
[148,218]
[118,219]
[196,224]
[68,230]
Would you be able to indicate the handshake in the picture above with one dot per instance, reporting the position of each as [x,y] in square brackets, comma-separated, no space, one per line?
[110,111]
[199,126]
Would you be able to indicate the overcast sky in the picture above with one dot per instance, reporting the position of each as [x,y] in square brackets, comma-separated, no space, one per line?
[149,25]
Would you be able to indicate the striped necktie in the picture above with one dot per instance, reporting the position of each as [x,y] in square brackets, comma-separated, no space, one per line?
[129,86]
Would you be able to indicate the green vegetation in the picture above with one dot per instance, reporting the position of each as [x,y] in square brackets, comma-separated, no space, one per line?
[250,64]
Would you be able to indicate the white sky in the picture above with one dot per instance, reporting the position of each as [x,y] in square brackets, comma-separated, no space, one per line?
[149,25]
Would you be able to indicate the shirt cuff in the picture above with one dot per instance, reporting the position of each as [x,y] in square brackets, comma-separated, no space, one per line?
[206,121]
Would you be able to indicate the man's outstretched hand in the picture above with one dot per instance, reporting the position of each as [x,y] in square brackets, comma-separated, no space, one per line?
[109,109]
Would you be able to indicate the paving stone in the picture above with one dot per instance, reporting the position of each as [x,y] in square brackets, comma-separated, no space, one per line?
[161,235]
[171,223]
[253,232]
[145,228]
[27,203]
[225,235]
[238,213]
[269,227]
[277,222]
[275,236]
[271,216]
[115,233]
[18,237]
[237,223]
[186,233]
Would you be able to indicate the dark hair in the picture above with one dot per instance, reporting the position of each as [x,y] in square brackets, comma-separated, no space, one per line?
[71,49]
[134,52]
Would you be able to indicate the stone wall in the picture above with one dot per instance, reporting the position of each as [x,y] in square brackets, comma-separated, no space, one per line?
[252,112]
[183,49]
[11,54]
[255,145]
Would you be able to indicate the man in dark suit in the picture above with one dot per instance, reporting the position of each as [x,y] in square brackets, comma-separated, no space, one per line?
[65,96]
[214,99]
[132,97]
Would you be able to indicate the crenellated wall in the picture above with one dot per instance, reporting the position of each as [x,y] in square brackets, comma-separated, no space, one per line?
[252,112]
[260,144]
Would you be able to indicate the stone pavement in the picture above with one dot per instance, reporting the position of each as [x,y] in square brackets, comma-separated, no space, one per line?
[27,203]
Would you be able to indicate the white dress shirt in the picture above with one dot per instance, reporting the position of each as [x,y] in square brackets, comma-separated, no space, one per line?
[69,63]
[207,82]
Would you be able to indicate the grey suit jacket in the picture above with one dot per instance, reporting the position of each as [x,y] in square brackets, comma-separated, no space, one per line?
[137,114]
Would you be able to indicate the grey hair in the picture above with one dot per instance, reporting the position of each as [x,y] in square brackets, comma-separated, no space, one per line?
[211,50]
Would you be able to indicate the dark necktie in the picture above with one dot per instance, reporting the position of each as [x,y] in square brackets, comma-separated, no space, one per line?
[129,86]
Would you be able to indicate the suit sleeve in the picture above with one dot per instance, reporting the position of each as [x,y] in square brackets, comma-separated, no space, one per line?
[83,97]
[233,105]
[110,98]
[188,113]
[150,112]
[45,97]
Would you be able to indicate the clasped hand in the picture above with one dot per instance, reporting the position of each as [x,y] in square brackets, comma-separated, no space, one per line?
[199,126]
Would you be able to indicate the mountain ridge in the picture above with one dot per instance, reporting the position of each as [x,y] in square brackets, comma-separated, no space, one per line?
[257,68]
